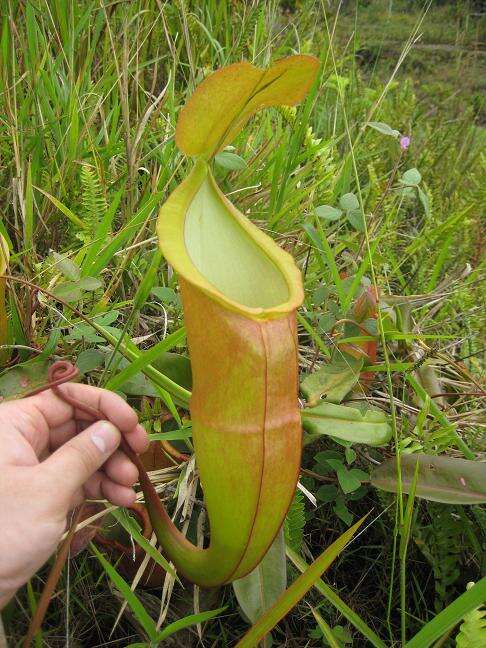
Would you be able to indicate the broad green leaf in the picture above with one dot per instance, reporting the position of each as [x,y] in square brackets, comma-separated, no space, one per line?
[259,590]
[450,616]
[342,511]
[328,213]
[440,479]
[18,381]
[68,268]
[384,129]
[331,381]
[89,359]
[411,177]
[337,602]
[166,295]
[230,161]
[72,291]
[90,283]
[325,323]
[225,100]
[349,202]
[174,435]
[347,423]
[297,590]
[327,493]
[68,291]
[176,367]
[355,218]
[349,480]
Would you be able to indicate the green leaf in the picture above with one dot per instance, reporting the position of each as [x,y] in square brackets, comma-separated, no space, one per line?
[89,359]
[259,590]
[68,291]
[166,295]
[129,524]
[230,161]
[295,522]
[90,283]
[328,634]
[440,479]
[450,616]
[342,511]
[411,177]
[337,602]
[384,129]
[65,210]
[424,199]
[472,633]
[327,493]
[147,623]
[328,213]
[174,366]
[187,622]
[68,268]
[326,322]
[332,381]
[297,590]
[146,285]
[355,218]
[349,202]
[349,480]
[22,379]
[347,423]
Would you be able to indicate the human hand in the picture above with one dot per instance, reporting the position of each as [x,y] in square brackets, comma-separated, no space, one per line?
[47,468]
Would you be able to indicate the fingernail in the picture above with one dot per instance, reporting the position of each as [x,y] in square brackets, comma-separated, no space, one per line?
[105,436]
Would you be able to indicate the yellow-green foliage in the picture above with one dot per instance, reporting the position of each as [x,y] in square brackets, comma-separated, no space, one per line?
[472,633]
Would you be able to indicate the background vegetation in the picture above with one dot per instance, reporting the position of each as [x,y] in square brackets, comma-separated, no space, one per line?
[89,97]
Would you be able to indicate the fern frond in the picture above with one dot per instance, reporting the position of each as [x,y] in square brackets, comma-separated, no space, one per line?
[472,633]
[294,522]
[92,198]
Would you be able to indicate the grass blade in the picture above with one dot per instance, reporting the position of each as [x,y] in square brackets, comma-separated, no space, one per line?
[187,622]
[450,616]
[337,602]
[297,590]
[143,617]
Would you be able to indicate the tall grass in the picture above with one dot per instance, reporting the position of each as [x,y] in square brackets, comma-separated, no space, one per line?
[89,97]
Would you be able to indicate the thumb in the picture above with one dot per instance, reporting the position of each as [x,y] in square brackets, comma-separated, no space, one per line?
[74,462]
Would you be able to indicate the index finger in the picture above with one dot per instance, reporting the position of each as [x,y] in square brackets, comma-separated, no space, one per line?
[110,407]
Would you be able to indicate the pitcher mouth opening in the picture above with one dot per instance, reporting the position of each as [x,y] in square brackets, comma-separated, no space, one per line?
[227,256]
[213,246]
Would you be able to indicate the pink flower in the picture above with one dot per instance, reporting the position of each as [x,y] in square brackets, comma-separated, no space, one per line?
[404,142]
